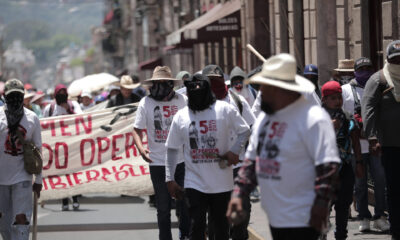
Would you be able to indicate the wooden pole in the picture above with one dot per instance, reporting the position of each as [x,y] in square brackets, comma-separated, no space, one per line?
[34,225]
[251,48]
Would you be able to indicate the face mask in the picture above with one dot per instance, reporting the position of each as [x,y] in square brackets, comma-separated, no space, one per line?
[200,98]
[362,76]
[219,88]
[61,98]
[160,90]
[267,108]
[15,102]
[312,78]
[345,79]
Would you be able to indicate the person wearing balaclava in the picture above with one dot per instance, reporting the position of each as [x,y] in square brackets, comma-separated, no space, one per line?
[15,182]
[62,106]
[208,159]
[352,94]
[311,73]
[237,77]
[154,114]
[380,109]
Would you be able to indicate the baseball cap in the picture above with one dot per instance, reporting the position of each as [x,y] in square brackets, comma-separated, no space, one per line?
[361,62]
[310,69]
[330,88]
[13,85]
[393,49]
[213,71]
[86,94]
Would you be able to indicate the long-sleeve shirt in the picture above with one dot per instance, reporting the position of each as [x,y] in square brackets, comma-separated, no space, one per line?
[380,113]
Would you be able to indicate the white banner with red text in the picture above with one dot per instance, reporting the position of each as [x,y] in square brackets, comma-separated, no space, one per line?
[93,152]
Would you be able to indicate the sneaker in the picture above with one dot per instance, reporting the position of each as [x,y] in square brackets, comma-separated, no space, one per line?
[255,195]
[75,206]
[64,208]
[364,225]
[382,224]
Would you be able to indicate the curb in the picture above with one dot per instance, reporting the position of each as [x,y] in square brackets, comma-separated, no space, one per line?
[253,235]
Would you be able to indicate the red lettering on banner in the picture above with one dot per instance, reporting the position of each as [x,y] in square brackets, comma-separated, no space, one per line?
[77,180]
[144,170]
[63,127]
[90,177]
[57,162]
[88,128]
[46,124]
[131,170]
[45,145]
[105,172]
[130,145]
[101,148]
[117,177]
[55,182]
[92,152]
[69,180]
[45,187]
[115,148]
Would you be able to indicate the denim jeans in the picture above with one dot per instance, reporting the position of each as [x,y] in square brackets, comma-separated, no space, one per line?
[373,164]
[217,204]
[391,164]
[14,200]
[343,200]
[163,202]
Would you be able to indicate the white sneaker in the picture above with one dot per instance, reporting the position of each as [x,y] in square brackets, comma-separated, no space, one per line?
[75,206]
[382,224]
[364,225]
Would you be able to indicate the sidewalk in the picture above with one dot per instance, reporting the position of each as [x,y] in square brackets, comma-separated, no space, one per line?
[259,230]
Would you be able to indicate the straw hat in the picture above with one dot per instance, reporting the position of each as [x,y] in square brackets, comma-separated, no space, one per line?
[345,65]
[280,71]
[162,73]
[127,82]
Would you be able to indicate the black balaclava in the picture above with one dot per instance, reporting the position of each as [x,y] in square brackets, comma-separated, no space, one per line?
[266,108]
[161,90]
[60,97]
[199,93]
[14,109]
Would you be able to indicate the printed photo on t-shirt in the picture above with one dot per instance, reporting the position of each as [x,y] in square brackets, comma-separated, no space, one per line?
[13,146]
[203,141]
[268,150]
[162,121]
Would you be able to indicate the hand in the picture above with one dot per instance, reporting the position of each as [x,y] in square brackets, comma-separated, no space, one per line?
[231,157]
[360,170]
[235,213]
[336,123]
[145,155]
[37,188]
[319,217]
[374,147]
[175,190]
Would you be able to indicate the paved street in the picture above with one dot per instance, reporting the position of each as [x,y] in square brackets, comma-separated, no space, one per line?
[107,216]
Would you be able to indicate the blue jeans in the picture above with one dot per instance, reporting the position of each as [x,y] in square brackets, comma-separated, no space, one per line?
[374,165]
[343,200]
[14,200]
[391,164]
[163,202]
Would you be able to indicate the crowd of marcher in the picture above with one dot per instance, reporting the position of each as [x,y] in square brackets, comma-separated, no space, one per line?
[214,140]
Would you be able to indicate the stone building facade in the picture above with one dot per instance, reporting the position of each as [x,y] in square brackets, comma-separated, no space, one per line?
[187,35]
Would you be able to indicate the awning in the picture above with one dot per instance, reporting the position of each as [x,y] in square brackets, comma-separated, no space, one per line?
[223,20]
[150,64]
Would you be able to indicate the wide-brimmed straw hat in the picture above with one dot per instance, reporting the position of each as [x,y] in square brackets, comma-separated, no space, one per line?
[345,65]
[280,71]
[162,73]
[127,82]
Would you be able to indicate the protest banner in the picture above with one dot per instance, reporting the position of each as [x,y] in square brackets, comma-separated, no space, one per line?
[93,152]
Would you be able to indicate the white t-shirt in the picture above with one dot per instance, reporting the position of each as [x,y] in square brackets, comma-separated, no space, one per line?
[206,131]
[348,106]
[293,141]
[58,110]
[156,117]
[248,117]
[11,160]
